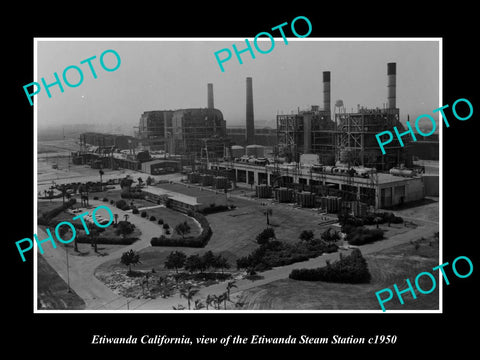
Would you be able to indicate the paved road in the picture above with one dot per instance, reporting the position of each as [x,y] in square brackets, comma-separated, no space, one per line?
[98,296]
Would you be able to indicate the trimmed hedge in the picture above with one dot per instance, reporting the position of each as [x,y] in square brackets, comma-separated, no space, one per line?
[361,236]
[86,239]
[214,209]
[45,218]
[350,269]
[133,195]
[189,241]
[276,253]
[143,214]
[122,205]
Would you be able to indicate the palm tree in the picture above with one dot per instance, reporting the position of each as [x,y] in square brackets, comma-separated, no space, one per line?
[125,217]
[188,293]
[116,219]
[209,300]
[230,285]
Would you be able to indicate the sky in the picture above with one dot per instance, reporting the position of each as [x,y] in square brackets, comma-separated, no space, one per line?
[173,74]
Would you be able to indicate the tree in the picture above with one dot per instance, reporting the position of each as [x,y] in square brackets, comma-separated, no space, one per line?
[306,235]
[208,260]
[175,260]
[130,258]
[116,219]
[124,228]
[182,229]
[126,217]
[188,292]
[209,300]
[230,286]
[330,236]
[194,263]
[265,236]
[149,181]
[268,212]
[126,183]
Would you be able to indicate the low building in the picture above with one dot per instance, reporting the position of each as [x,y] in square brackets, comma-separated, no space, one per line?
[185,197]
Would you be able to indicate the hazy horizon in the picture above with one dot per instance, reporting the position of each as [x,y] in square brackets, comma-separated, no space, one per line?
[162,75]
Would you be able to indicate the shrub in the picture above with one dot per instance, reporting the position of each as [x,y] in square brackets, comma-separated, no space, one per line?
[135,211]
[143,214]
[153,218]
[86,239]
[45,218]
[265,236]
[361,235]
[105,199]
[160,221]
[133,195]
[190,241]
[112,202]
[124,228]
[351,269]
[214,209]
[121,204]
[95,198]
[166,226]
[306,235]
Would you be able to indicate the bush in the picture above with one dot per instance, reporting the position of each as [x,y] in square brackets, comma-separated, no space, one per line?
[351,269]
[153,218]
[112,202]
[166,226]
[160,221]
[122,205]
[190,241]
[306,235]
[265,236]
[95,198]
[143,214]
[135,211]
[105,199]
[361,235]
[275,253]
[45,218]
[86,239]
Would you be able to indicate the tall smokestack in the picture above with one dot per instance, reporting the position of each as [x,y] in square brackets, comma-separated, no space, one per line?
[326,91]
[210,96]
[392,85]
[250,133]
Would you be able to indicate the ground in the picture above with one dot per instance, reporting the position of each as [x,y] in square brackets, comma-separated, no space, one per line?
[387,267]
[53,291]
[101,281]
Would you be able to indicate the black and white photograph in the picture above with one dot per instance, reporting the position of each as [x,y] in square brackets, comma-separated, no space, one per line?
[255,188]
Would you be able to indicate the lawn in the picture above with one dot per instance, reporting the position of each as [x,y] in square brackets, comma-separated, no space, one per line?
[387,267]
[52,290]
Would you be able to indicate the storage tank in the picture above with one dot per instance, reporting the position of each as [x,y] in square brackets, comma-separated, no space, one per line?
[263,191]
[331,204]
[194,177]
[306,199]
[237,151]
[284,194]
[206,179]
[257,151]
